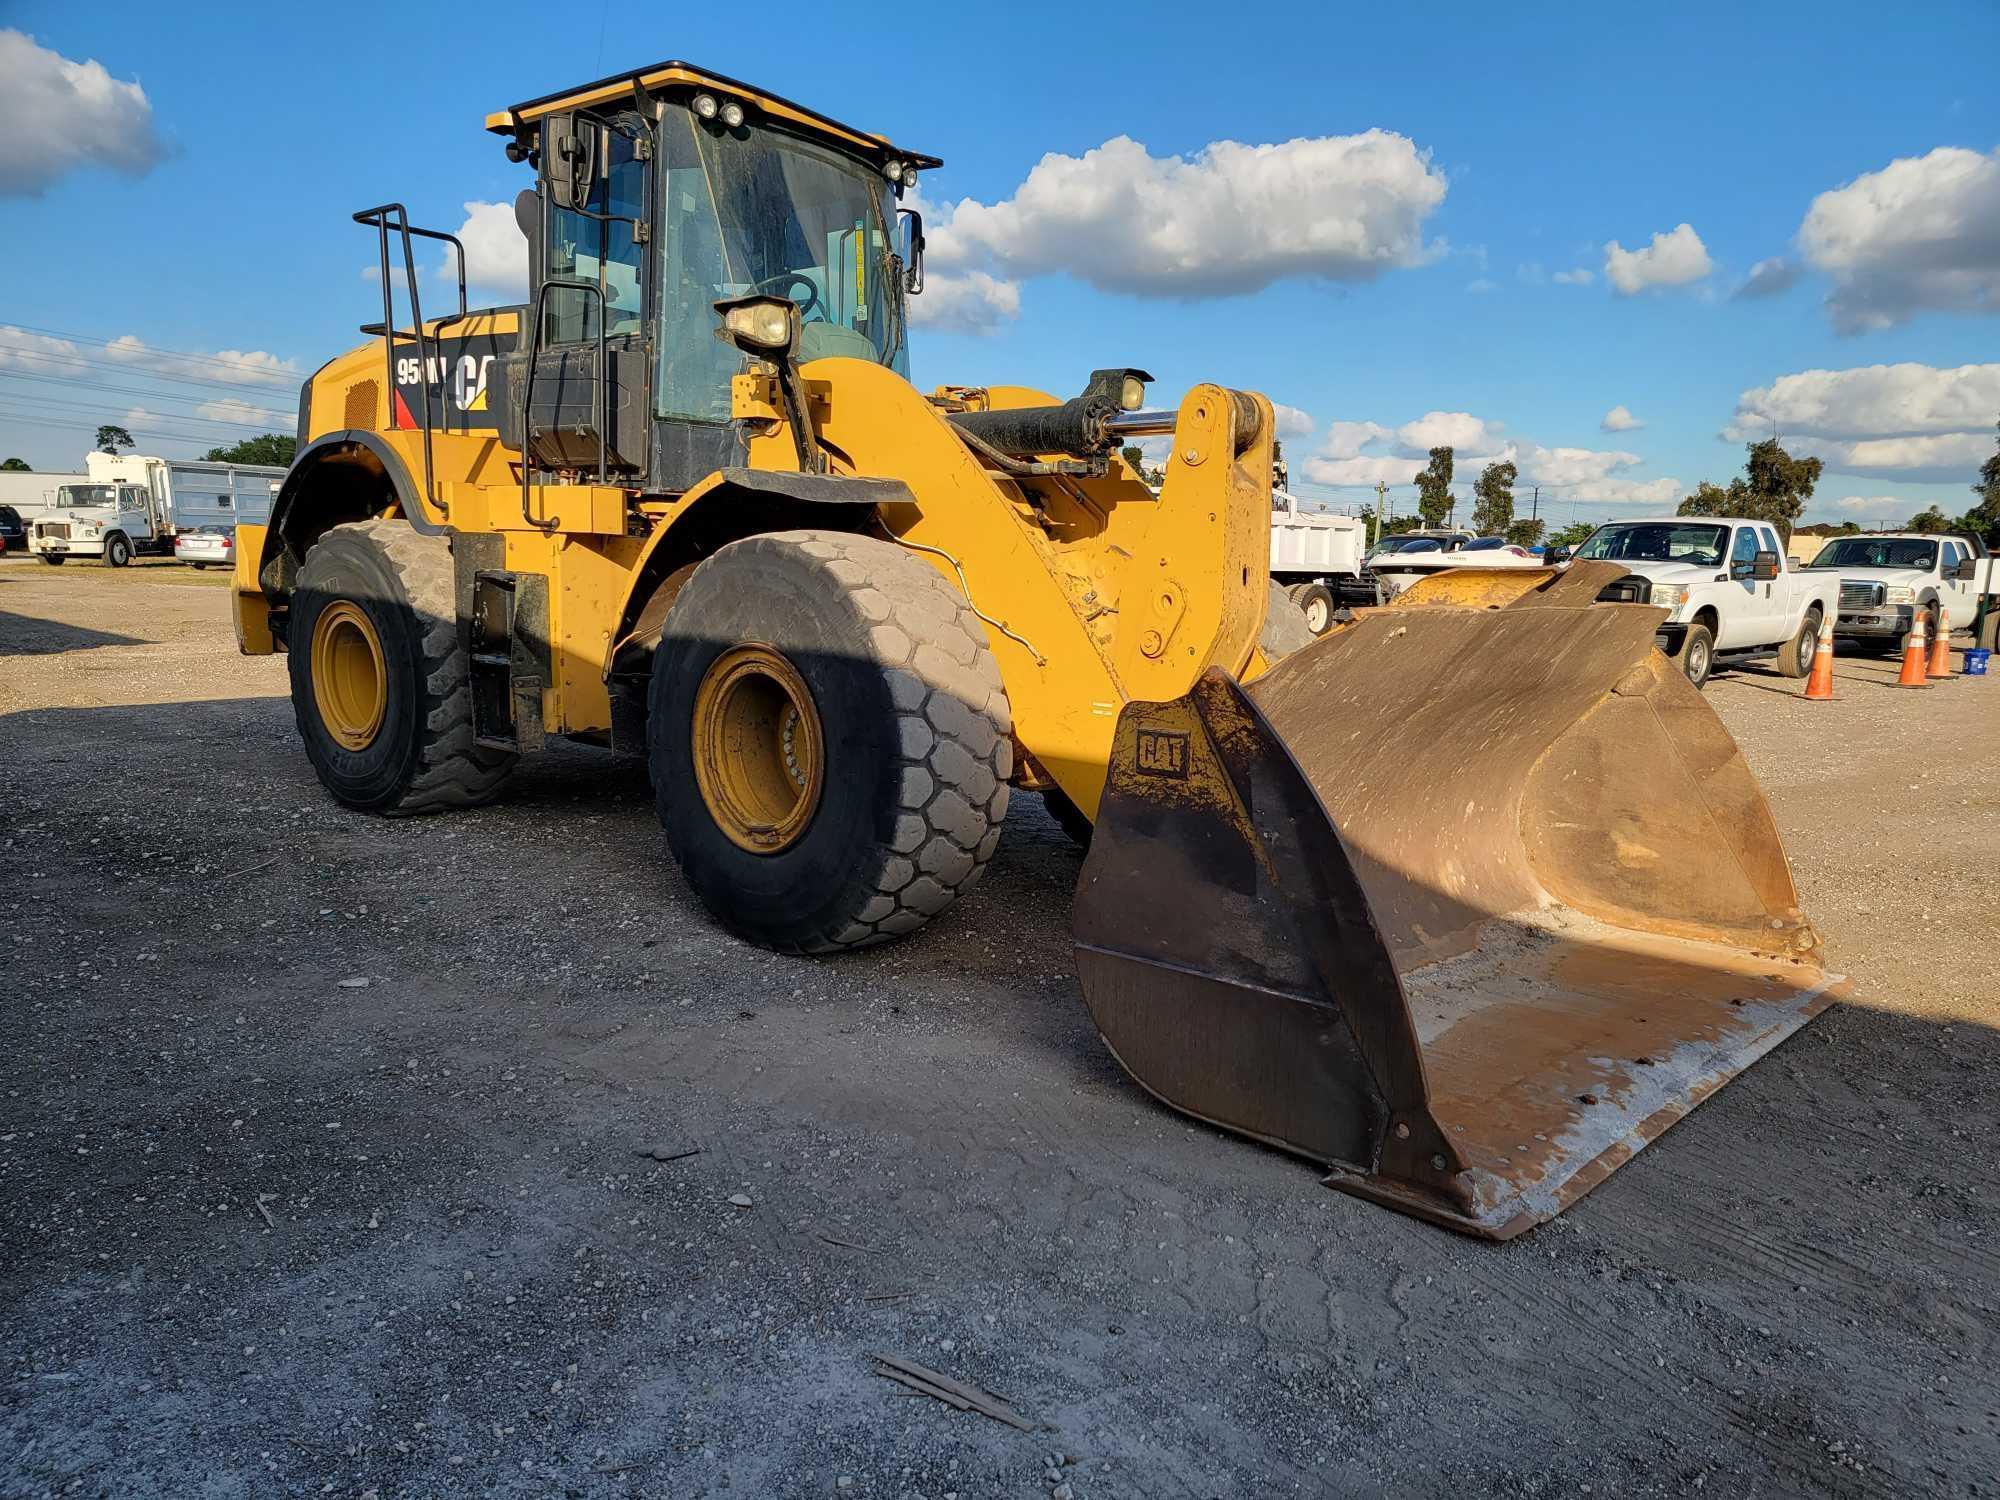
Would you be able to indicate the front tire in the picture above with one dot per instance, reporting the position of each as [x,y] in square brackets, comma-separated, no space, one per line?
[54,560]
[1698,655]
[380,685]
[829,740]
[1795,657]
[117,551]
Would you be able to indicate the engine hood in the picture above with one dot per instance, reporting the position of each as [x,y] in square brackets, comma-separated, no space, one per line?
[1910,576]
[1671,572]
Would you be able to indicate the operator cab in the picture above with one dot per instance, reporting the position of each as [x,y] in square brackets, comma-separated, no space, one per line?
[660,194]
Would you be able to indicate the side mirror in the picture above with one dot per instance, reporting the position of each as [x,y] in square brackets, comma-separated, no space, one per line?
[1764,567]
[569,159]
[1967,570]
[912,224]
[1556,555]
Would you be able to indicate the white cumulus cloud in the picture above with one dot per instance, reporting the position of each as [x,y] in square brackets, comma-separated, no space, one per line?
[1581,276]
[1922,233]
[230,409]
[496,252]
[57,115]
[1768,278]
[1231,218]
[1291,422]
[1873,505]
[230,366]
[1620,419]
[966,301]
[1902,421]
[1674,258]
[38,353]
[1364,453]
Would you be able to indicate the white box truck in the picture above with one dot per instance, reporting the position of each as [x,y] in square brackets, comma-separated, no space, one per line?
[134,506]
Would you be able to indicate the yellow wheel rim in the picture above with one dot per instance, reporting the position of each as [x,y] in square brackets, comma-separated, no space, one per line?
[350,682]
[759,757]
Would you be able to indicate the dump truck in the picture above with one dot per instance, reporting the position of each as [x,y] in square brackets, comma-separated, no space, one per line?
[1465,901]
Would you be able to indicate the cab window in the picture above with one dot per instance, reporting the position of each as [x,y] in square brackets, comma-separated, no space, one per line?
[600,250]
[1951,556]
[1770,540]
[1744,554]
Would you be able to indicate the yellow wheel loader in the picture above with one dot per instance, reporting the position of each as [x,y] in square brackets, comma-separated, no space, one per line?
[1466,901]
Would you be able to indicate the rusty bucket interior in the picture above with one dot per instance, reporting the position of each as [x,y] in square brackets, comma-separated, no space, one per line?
[1467,902]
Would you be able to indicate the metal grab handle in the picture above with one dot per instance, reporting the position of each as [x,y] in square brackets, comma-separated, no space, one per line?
[378,219]
[528,391]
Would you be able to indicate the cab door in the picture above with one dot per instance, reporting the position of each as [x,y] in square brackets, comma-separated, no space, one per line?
[1957,597]
[1747,619]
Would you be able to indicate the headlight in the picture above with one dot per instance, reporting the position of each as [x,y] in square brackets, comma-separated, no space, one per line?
[1898,594]
[1670,595]
[760,325]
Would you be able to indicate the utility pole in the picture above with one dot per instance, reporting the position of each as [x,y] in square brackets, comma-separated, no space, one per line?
[1535,505]
[1381,500]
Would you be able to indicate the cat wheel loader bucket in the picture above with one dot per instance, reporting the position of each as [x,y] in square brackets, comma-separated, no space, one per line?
[1468,901]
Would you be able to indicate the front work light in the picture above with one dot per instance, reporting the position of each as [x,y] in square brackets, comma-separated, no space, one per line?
[767,326]
[732,114]
[704,105]
[1132,393]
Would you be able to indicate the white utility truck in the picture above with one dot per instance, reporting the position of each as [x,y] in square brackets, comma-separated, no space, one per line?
[1887,578]
[1730,593]
[1316,558]
[134,506]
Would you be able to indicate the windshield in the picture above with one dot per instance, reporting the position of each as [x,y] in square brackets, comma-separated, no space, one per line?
[1485,544]
[1658,541]
[84,496]
[757,211]
[1876,552]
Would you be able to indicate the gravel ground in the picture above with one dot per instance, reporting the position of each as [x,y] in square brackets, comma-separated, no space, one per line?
[343,1156]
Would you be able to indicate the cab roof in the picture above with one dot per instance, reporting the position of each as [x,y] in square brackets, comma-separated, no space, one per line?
[677,74]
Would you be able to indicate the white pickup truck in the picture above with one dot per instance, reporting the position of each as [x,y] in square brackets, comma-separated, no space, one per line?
[1887,578]
[1730,593]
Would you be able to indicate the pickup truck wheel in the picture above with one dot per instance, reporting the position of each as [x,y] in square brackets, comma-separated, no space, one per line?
[117,551]
[1698,654]
[53,560]
[1795,657]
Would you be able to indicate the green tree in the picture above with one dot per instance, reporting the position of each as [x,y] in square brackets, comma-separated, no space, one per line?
[1775,487]
[15,466]
[1134,455]
[1984,517]
[265,448]
[1493,499]
[1400,524]
[1931,519]
[110,439]
[1434,489]
[1573,535]
[1527,533]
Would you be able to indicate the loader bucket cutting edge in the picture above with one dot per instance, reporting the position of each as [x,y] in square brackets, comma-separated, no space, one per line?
[1466,904]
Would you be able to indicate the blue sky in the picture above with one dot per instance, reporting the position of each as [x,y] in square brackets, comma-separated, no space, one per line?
[1401,286]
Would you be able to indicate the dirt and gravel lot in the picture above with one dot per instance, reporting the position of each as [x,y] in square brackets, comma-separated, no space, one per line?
[329,1158]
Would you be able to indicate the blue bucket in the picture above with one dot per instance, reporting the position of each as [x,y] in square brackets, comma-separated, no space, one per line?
[1975,661]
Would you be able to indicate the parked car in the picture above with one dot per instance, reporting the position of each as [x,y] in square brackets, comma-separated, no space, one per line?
[1887,578]
[1404,559]
[207,544]
[13,532]
[1730,594]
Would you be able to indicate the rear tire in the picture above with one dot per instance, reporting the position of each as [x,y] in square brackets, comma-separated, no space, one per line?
[53,560]
[1316,604]
[419,755]
[117,550]
[1795,657]
[859,651]
[1698,655]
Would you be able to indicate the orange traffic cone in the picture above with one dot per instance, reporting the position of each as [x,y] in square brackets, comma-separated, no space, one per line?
[1912,674]
[1939,668]
[1820,684]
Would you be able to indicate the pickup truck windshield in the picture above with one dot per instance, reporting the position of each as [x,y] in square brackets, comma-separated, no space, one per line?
[1876,552]
[83,496]
[1658,541]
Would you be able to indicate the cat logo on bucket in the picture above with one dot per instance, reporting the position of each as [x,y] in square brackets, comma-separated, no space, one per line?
[1163,752]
